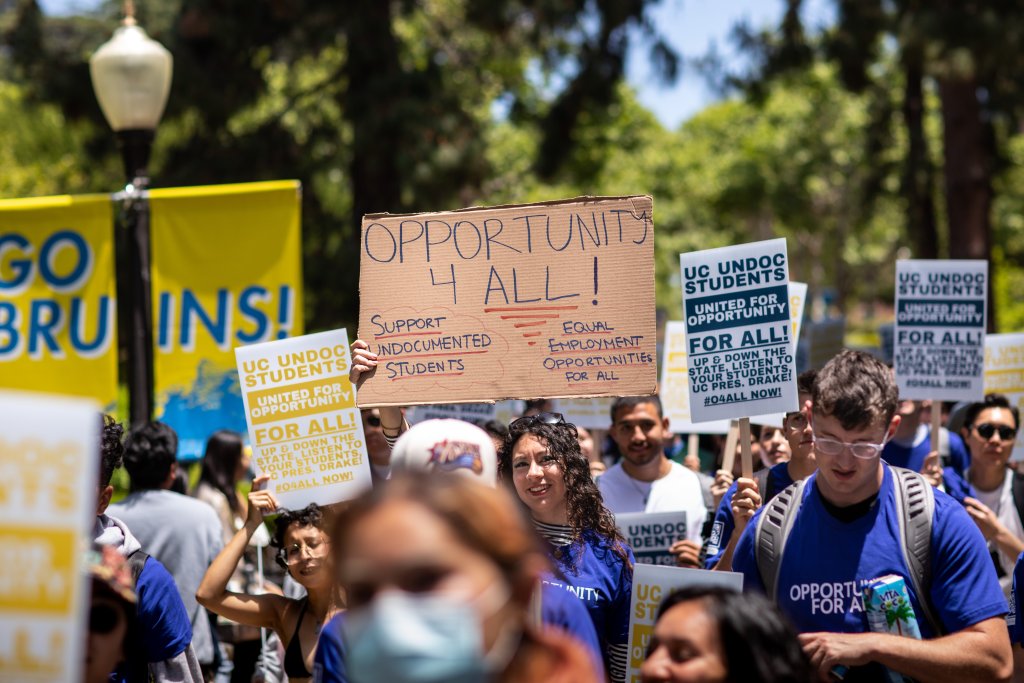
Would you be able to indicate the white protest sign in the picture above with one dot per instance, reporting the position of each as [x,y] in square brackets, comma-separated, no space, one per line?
[304,426]
[651,585]
[650,535]
[1004,374]
[739,331]
[49,463]
[589,413]
[476,413]
[940,329]
[674,387]
[797,299]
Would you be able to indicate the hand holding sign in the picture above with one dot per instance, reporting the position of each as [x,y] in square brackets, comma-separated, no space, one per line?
[364,363]
[687,553]
[261,502]
[744,504]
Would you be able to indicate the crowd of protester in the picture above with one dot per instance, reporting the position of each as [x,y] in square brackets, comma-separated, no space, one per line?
[502,561]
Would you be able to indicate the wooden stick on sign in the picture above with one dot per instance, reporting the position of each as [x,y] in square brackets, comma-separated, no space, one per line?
[746,462]
[692,445]
[936,424]
[729,457]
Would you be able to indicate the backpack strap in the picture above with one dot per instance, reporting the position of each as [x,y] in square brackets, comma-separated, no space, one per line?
[773,527]
[763,482]
[1017,490]
[915,508]
[136,561]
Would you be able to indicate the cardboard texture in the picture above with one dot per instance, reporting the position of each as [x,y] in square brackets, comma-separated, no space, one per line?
[1004,374]
[543,300]
[940,329]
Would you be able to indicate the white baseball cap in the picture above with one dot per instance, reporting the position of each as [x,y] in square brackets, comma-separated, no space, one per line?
[446,446]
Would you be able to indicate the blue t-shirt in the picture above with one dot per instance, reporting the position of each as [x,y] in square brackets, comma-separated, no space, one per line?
[724,525]
[1013,620]
[164,629]
[956,486]
[912,457]
[826,562]
[559,608]
[603,582]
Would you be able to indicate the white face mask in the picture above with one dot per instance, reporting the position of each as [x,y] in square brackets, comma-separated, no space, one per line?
[425,638]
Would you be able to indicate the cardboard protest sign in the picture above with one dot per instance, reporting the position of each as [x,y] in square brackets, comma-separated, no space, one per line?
[940,329]
[49,463]
[1004,374]
[589,413]
[674,388]
[545,300]
[651,585]
[304,426]
[650,535]
[739,331]
[468,412]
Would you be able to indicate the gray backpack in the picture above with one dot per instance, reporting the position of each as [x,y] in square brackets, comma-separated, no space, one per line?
[915,505]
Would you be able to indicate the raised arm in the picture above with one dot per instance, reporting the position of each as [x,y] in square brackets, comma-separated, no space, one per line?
[364,365]
[265,610]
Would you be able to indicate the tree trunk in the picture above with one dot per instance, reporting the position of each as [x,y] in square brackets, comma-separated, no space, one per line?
[371,102]
[968,171]
[919,174]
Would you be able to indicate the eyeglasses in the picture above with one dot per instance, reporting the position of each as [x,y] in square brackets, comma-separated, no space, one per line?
[293,554]
[864,451]
[104,618]
[986,430]
[795,421]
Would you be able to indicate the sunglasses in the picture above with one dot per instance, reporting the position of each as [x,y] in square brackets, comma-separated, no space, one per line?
[986,430]
[539,418]
[372,420]
[104,618]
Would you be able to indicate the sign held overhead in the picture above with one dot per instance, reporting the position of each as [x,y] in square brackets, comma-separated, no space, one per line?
[543,300]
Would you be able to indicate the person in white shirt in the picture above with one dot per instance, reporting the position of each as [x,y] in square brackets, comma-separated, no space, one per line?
[644,480]
[990,430]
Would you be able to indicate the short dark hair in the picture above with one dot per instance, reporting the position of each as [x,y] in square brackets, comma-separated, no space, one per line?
[111,448]
[311,515]
[857,389]
[495,429]
[990,401]
[149,453]
[805,381]
[631,401]
[758,644]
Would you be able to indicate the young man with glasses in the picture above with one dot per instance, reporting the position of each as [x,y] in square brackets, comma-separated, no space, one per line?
[645,480]
[745,496]
[990,430]
[847,532]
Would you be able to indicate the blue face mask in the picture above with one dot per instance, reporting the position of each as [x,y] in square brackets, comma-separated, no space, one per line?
[416,638]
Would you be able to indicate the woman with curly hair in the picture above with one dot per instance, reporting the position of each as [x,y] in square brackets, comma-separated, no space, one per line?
[303,551]
[541,461]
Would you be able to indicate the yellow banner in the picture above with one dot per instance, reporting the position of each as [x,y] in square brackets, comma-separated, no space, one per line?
[57,296]
[227,272]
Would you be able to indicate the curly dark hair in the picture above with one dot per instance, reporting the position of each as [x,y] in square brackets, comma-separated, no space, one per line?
[111,448]
[311,515]
[584,503]
[149,453]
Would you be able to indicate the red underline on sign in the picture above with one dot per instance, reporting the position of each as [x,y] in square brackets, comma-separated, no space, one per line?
[539,322]
[595,383]
[584,334]
[591,351]
[407,334]
[443,374]
[531,343]
[435,355]
[532,334]
[541,315]
[530,308]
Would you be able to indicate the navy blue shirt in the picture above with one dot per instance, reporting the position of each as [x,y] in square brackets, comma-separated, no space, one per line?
[1013,620]
[912,457]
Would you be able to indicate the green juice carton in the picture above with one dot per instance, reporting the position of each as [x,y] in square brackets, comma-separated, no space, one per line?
[888,609]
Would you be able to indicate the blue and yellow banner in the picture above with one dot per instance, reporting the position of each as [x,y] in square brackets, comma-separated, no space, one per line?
[227,272]
[58,331]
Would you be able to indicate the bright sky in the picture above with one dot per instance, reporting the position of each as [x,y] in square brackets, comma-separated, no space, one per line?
[692,27]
